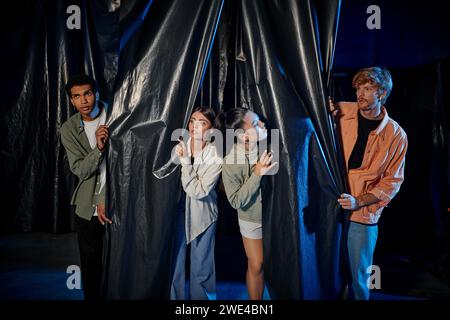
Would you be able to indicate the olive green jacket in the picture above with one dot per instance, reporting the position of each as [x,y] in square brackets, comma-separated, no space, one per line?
[84,162]
[242,185]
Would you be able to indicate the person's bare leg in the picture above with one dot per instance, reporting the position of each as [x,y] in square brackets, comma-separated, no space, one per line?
[255,275]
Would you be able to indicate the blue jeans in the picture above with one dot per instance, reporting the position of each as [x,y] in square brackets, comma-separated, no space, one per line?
[361,245]
[203,271]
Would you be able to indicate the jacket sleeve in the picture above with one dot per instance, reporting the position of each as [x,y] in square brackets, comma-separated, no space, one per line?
[393,177]
[198,187]
[82,166]
[239,194]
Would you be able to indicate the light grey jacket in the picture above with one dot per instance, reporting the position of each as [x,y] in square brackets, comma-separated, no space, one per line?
[198,182]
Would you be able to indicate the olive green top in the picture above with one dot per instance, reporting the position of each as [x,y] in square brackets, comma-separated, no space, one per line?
[241,184]
[85,163]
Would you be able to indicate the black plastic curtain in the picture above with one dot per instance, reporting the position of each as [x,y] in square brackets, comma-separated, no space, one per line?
[39,55]
[162,66]
[301,234]
[150,58]
[155,95]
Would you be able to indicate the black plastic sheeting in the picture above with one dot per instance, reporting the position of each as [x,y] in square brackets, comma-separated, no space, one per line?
[165,62]
[40,55]
[150,58]
[163,65]
[309,229]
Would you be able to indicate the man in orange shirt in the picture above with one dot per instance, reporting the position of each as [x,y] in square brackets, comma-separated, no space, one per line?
[374,148]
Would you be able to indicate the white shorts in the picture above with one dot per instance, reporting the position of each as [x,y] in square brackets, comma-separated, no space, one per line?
[250,230]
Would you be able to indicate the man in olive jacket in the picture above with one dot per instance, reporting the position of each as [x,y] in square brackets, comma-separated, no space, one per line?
[84,137]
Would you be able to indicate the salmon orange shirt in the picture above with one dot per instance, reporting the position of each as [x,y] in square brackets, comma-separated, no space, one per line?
[382,169]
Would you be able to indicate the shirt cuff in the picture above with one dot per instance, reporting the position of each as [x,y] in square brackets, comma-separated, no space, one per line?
[255,177]
[381,195]
[101,151]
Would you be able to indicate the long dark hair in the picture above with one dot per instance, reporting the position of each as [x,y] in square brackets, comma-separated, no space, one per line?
[207,112]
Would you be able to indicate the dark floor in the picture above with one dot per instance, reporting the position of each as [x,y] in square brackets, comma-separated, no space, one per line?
[33,266]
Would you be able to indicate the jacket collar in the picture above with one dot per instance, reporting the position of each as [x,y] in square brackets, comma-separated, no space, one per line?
[207,154]
[80,120]
[383,123]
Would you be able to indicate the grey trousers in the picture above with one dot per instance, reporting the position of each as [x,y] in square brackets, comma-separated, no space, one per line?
[202,284]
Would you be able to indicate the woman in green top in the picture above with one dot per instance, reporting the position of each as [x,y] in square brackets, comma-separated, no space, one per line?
[242,172]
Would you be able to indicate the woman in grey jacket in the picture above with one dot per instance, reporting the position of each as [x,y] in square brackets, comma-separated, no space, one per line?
[242,173]
[196,225]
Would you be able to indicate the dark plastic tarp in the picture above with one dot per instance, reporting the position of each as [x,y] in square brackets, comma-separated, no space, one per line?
[150,58]
[274,57]
[164,62]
